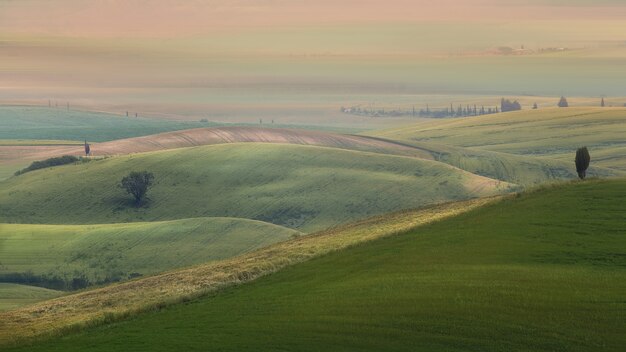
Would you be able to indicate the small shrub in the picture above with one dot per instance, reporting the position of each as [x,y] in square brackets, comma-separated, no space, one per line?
[61,160]
[137,184]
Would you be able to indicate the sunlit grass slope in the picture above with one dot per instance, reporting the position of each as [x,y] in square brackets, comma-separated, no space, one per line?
[543,132]
[527,147]
[524,170]
[302,187]
[541,272]
[113,252]
[29,122]
[14,295]
[111,302]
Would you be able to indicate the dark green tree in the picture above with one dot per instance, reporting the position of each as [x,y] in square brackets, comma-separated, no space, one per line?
[582,162]
[137,184]
[602,104]
[563,103]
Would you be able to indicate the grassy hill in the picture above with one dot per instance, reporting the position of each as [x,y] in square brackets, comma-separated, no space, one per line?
[543,132]
[80,255]
[302,187]
[31,122]
[501,277]
[241,134]
[17,154]
[524,170]
[111,302]
[526,147]
[14,295]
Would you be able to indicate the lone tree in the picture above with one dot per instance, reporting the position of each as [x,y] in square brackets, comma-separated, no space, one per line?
[137,184]
[602,104]
[563,103]
[87,148]
[582,162]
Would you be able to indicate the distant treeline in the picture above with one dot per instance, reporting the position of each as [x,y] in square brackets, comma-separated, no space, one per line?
[506,105]
[460,111]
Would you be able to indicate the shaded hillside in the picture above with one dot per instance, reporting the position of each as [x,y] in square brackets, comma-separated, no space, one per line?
[76,256]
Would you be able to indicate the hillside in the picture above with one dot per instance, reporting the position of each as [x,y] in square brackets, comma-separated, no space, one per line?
[16,154]
[119,300]
[512,279]
[13,295]
[523,170]
[301,187]
[544,132]
[240,134]
[81,255]
[538,147]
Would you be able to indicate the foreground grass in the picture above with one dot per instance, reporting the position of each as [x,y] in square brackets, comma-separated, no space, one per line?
[113,252]
[115,301]
[301,187]
[542,272]
[14,295]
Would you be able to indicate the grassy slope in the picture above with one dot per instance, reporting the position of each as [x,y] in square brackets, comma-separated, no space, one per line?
[240,134]
[26,122]
[519,169]
[99,305]
[543,132]
[13,295]
[17,154]
[302,187]
[526,147]
[500,278]
[117,250]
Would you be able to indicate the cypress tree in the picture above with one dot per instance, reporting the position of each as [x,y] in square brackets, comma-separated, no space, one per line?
[582,162]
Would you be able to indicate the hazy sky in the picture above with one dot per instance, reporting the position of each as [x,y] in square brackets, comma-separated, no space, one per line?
[146,51]
[183,17]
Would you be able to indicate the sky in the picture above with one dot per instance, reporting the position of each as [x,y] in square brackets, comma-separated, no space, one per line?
[171,18]
[281,52]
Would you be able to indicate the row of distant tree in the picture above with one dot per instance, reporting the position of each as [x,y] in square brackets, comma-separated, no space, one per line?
[451,111]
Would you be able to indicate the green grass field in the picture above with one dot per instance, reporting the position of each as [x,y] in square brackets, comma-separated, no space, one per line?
[14,295]
[503,277]
[527,147]
[300,187]
[543,132]
[30,122]
[113,252]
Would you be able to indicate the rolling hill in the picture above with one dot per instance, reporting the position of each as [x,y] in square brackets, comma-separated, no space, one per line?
[75,256]
[13,295]
[301,187]
[543,132]
[16,154]
[525,147]
[499,277]
[119,300]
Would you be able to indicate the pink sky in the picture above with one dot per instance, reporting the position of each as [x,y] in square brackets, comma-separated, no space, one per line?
[183,17]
